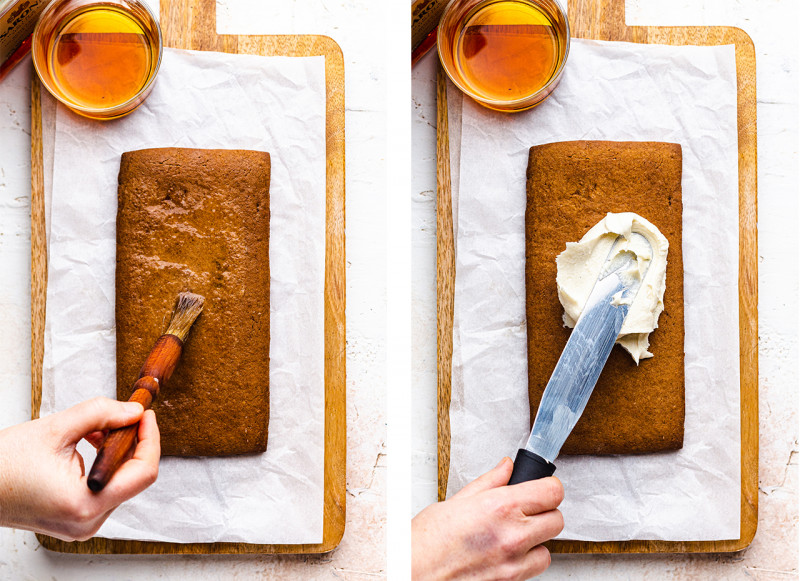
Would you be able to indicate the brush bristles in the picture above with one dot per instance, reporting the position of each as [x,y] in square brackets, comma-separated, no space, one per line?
[187,309]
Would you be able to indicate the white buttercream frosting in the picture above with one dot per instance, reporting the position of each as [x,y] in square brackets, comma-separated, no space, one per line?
[579,266]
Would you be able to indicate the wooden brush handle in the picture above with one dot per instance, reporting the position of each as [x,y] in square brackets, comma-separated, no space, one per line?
[163,358]
[157,369]
[119,442]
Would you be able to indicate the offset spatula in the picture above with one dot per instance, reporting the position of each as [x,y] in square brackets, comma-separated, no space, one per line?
[581,362]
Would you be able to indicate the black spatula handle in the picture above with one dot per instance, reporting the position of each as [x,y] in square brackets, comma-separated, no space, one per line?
[530,466]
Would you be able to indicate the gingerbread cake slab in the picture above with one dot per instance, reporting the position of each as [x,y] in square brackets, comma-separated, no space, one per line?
[198,220]
[571,186]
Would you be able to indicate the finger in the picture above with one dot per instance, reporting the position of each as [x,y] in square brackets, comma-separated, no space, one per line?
[534,562]
[537,496]
[141,470]
[99,413]
[96,438]
[497,476]
[543,526]
[151,436]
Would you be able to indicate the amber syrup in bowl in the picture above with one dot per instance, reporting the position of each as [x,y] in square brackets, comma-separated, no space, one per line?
[506,54]
[98,58]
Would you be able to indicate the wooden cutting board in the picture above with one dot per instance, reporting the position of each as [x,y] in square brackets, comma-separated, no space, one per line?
[191,24]
[605,20]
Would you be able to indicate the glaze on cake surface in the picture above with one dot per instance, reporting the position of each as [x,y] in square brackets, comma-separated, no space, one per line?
[198,220]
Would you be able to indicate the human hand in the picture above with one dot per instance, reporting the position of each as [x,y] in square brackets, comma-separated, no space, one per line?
[43,478]
[488,530]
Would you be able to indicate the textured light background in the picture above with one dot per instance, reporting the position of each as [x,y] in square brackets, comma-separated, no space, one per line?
[356,26]
[773,555]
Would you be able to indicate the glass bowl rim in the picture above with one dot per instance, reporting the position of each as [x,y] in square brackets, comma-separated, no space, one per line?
[515,104]
[98,111]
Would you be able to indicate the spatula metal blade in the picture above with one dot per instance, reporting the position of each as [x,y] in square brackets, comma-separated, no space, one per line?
[585,354]
[577,370]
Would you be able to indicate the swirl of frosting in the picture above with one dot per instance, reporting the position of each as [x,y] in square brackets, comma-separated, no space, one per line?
[579,266]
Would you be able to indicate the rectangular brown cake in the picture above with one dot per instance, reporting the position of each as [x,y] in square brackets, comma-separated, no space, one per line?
[571,187]
[198,220]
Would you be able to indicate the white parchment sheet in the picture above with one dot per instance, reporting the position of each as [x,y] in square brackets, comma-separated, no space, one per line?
[623,92]
[204,100]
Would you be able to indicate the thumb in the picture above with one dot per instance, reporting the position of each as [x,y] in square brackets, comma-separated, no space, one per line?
[99,413]
[494,478]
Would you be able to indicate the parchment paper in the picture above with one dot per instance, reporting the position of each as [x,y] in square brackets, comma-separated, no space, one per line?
[204,100]
[612,91]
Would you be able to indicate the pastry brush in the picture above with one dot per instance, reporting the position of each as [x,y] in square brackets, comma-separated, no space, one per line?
[155,372]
